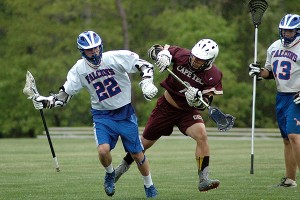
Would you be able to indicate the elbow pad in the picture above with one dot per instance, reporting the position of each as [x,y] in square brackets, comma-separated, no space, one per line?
[146,68]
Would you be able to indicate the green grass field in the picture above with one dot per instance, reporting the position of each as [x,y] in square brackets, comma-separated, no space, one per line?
[27,170]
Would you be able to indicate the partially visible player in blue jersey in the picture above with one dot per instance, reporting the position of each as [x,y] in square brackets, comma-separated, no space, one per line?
[283,65]
[105,76]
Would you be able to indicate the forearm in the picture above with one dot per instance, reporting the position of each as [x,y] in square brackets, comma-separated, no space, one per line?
[266,74]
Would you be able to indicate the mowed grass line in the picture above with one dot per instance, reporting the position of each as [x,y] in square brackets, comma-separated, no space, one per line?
[27,170]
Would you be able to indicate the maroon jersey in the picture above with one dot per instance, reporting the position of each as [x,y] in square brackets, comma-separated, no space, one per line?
[206,81]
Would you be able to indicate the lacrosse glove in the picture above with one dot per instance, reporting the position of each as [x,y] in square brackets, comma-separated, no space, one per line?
[163,60]
[41,102]
[254,70]
[193,97]
[148,88]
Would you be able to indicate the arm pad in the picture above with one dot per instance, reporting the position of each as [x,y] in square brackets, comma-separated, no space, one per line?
[145,67]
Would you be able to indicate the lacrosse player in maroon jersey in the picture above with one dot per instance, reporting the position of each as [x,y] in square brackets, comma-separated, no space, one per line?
[179,106]
[283,65]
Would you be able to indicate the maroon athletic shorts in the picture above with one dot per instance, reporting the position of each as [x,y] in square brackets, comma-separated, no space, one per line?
[165,116]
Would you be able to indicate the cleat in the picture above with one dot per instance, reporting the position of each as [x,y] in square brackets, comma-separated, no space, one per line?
[151,191]
[121,169]
[109,183]
[208,184]
[287,182]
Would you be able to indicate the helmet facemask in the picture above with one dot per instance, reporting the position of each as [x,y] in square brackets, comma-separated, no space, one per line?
[197,64]
[95,60]
[289,22]
[289,41]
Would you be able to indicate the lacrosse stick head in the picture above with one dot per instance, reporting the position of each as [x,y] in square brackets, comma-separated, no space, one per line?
[30,88]
[224,121]
[257,9]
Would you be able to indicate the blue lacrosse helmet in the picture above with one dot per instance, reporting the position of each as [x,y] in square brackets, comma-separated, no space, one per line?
[289,22]
[89,40]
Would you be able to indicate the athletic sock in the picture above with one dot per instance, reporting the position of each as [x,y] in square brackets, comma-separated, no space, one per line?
[202,164]
[128,159]
[148,180]
[109,169]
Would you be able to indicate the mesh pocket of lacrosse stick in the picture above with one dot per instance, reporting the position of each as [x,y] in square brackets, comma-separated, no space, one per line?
[257,9]
[224,121]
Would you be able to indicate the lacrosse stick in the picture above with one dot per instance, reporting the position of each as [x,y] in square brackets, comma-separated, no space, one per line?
[257,9]
[224,121]
[31,91]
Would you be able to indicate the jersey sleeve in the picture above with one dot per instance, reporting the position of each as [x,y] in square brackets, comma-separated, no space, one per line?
[268,60]
[73,83]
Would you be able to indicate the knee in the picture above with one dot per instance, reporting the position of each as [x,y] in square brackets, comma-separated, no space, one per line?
[201,135]
[140,158]
[103,149]
[294,139]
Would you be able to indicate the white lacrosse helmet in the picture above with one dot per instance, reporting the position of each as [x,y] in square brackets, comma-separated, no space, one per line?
[207,50]
[90,40]
[289,22]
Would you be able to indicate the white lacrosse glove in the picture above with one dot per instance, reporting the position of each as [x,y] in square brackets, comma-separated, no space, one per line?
[41,102]
[297,98]
[254,70]
[148,88]
[193,97]
[163,60]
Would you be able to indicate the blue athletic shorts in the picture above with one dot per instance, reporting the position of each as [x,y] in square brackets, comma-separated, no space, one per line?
[287,114]
[108,130]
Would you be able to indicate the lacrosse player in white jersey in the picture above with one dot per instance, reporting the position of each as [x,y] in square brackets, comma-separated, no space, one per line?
[283,65]
[105,76]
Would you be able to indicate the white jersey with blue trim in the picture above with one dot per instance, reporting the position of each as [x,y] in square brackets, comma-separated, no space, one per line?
[285,65]
[109,85]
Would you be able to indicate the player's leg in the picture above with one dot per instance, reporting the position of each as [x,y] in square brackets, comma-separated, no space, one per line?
[286,113]
[106,141]
[132,143]
[106,161]
[192,124]
[295,143]
[143,166]
[290,163]
[128,160]
[198,133]
[159,122]
[293,124]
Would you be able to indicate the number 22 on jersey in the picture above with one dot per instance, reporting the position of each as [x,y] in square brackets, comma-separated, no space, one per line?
[107,88]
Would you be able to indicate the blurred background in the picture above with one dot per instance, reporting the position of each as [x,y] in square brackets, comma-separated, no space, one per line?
[40,36]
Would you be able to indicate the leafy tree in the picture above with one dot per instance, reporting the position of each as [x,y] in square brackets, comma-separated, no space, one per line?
[40,36]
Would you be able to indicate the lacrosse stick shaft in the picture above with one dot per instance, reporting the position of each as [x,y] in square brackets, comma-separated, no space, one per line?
[253,104]
[185,85]
[49,141]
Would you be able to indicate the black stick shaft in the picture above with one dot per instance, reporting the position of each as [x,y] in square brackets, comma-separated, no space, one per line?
[252,164]
[49,140]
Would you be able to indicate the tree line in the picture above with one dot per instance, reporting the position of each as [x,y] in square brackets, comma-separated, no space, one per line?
[40,36]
